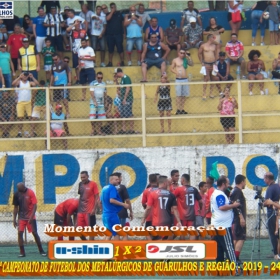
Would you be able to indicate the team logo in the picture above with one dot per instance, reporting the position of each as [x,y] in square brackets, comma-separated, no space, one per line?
[7,10]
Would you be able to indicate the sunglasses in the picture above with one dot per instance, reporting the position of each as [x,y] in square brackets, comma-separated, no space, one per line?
[153,37]
[182,53]
[99,78]
[54,59]
[67,61]
[2,47]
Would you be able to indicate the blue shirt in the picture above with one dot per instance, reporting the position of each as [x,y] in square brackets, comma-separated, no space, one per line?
[109,208]
[40,28]
[272,192]
[5,58]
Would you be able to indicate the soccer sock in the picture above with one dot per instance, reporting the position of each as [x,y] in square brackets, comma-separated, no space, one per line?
[60,238]
[38,242]
[71,238]
[237,254]
[22,251]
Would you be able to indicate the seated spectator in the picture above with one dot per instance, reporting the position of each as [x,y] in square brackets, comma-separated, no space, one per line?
[216,30]
[57,127]
[98,29]
[152,56]
[63,29]
[224,71]
[190,12]
[193,35]
[234,52]
[141,12]
[11,23]
[233,7]
[7,112]
[6,65]
[154,28]
[24,98]
[254,67]
[3,32]
[27,25]
[39,30]
[276,69]
[86,14]
[173,36]
[2,80]
[47,52]
[133,24]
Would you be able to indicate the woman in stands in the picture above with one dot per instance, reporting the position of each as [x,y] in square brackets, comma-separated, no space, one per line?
[28,27]
[254,68]
[276,69]
[226,106]
[234,7]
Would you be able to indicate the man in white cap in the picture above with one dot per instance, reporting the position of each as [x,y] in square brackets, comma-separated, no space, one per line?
[193,35]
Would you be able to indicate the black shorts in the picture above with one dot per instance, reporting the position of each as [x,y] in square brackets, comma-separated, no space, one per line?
[173,47]
[87,76]
[230,78]
[238,232]
[57,42]
[60,94]
[164,105]
[208,220]
[227,122]
[15,62]
[148,224]
[75,60]
[115,40]
[58,220]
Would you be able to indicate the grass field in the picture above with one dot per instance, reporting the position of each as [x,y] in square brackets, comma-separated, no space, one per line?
[10,253]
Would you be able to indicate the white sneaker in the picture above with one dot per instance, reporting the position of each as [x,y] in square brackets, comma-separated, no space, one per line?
[262,92]
[262,44]
[103,64]
[139,63]
[129,63]
[250,93]
[253,44]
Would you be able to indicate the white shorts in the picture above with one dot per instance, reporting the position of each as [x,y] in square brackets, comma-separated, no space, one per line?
[182,90]
[40,43]
[47,67]
[37,110]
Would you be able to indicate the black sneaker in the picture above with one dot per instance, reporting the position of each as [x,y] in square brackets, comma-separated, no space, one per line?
[184,112]
[19,135]
[122,63]
[109,64]
[21,255]
[77,83]
[178,112]
[43,253]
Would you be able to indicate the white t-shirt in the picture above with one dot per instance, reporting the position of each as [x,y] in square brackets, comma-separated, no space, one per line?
[87,17]
[71,21]
[99,90]
[24,94]
[87,52]
[145,17]
[219,217]
[97,25]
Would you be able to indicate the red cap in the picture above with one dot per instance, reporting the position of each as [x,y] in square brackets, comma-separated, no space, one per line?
[58,107]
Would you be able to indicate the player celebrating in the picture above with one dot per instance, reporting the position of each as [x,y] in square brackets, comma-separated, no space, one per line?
[174,180]
[162,202]
[186,196]
[63,213]
[89,200]
[25,205]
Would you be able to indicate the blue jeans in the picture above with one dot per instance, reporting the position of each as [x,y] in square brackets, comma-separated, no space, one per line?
[255,16]
[8,80]
[138,41]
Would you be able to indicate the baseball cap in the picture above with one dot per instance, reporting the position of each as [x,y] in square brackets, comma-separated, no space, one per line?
[3,46]
[66,8]
[192,19]
[58,107]
[25,39]
[118,70]
[172,22]
[222,54]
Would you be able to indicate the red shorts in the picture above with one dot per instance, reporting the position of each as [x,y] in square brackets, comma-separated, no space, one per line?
[85,219]
[187,223]
[30,227]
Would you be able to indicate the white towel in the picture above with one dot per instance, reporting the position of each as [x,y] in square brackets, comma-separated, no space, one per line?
[203,71]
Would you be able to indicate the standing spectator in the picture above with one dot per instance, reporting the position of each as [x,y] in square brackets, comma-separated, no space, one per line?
[48,52]
[226,106]
[274,14]
[254,67]
[86,64]
[51,4]
[98,94]
[272,193]
[86,14]
[141,12]
[98,29]
[3,32]
[28,27]
[112,205]
[179,68]
[24,98]
[2,80]
[133,24]
[39,30]
[64,34]
[173,36]
[6,65]
[11,23]
[28,58]
[91,4]
[258,20]
[61,77]
[73,19]
[234,6]
[175,175]
[239,220]
[200,212]
[7,112]
[193,35]
[190,12]
[223,71]
[152,56]
[164,102]
[210,190]
[126,98]
[154,28]
[114,33]
[89,201]
[222,215]
[104,11]
[234,52]
[54,22]
[14,44]
[25,206]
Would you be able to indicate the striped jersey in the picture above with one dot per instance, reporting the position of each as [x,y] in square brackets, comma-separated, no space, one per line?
[55,19]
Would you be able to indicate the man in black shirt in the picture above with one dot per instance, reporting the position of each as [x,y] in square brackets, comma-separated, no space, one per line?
[272,193]
[239,220]
[50,4]
[7,112]
[114,33]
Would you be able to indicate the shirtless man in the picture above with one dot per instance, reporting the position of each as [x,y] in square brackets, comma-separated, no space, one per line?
[179,68]
[208,55]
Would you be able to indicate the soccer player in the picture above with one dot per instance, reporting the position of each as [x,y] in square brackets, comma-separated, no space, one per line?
[25,205]
[174,180]
[89,200]
[162,202]
[186,197]
[200,213]
[63,213]
[210,183]
[112,205]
